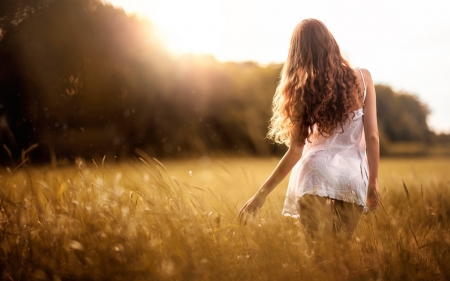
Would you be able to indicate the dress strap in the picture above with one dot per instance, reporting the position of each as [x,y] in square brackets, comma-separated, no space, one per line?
[364,83]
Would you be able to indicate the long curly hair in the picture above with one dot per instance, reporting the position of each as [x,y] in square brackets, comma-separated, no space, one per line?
[317,86]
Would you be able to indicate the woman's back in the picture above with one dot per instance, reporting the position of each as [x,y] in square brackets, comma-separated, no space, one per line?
[332,166]
[318,111]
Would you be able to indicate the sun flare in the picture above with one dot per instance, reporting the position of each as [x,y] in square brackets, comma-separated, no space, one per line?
[236,30]
[195,26]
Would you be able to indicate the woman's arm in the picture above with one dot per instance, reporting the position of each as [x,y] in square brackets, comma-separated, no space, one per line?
[290,158]
[372,140]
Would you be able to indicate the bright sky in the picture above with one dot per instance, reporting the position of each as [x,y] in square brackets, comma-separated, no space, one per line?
[404,44]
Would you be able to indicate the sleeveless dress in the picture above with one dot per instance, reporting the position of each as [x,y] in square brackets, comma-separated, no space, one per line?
[333,167]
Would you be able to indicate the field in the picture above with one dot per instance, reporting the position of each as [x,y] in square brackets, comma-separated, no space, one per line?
[176,220]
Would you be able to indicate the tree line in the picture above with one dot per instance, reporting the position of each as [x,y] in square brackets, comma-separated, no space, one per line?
[83,78]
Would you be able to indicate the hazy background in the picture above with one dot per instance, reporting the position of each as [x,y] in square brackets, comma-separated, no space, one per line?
[85,78]
[403,43]
[81,80]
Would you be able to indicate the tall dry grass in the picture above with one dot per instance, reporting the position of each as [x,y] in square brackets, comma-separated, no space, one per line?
[177,221]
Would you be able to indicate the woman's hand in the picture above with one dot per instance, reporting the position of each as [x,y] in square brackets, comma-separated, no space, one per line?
[283,168]
[251,207]
[373,197]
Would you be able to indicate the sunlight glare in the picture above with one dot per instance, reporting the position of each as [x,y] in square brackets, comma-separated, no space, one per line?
[236,30]
[195,26]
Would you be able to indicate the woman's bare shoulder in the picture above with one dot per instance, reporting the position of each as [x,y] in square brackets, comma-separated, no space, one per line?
[366,74]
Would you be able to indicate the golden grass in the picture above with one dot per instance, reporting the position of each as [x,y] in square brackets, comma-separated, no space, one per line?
[177,221]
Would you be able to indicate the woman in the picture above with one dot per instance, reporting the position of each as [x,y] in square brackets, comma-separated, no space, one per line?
[325,112]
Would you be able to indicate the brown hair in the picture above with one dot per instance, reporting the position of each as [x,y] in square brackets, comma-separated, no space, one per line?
[316,86]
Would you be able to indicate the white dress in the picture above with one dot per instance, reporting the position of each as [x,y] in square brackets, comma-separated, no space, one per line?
[334,167]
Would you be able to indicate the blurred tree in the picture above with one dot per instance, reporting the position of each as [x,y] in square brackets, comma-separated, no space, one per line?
[13,12]
[441,138]
[402,117]
[83,78]
[76,70]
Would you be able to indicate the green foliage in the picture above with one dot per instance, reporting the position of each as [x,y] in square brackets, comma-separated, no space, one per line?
[82,78]
[402,117]
[13,12]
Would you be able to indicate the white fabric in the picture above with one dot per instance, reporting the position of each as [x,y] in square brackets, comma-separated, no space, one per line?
[334,167]
[364,83]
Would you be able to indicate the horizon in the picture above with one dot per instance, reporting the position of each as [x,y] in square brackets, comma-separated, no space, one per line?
[406,54]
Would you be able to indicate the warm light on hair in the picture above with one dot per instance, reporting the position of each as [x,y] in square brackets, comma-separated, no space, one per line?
[316,86]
